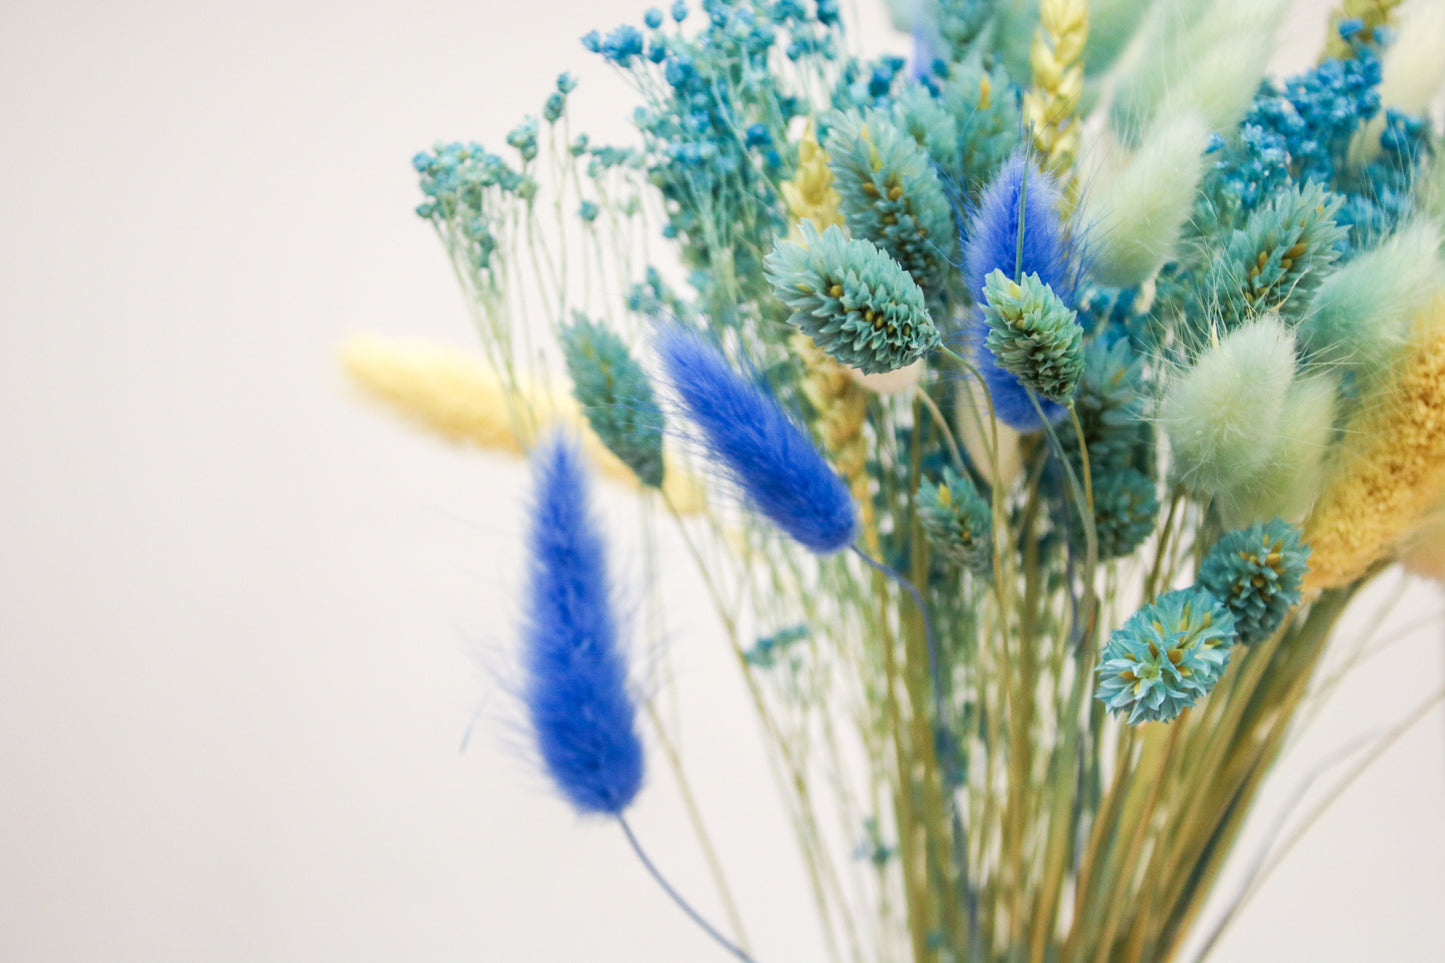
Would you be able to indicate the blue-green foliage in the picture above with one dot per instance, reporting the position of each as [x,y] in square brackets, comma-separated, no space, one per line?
[715,127]
[465,186]
[1301,131]
[765,652]
[1257,572]
[855,301]
[1166,657]
[891,195]
[616,396]
[957,520]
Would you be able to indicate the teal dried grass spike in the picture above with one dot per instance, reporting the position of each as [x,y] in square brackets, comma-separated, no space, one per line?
[852,299]
[891,196]
[1166,657]
[1111,404]
[957,520]
[1033,335]
[969,128]
[616,396]
[1257,573]
[1126,508]
[1277,260]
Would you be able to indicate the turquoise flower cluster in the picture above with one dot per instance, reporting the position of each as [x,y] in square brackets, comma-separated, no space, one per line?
[1257,572]
[890,194]
[853,300]
[1033,334]
[1168,655]
[616,396]
[957,521]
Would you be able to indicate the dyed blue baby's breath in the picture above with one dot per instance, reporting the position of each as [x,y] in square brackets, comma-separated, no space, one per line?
[1166,657]
[772,461]
[997,242]
[575,687]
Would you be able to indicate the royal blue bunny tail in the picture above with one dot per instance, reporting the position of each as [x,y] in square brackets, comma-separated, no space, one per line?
[995,242]
[575,684]
[773,462]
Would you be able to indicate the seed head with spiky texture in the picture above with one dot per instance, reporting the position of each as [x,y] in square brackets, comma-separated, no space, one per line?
[957,520]
[1126,506]
[616,396]
[891,195]
[1257,573]
[1166,657]
[1275,262]
[855,302]
[1033,335]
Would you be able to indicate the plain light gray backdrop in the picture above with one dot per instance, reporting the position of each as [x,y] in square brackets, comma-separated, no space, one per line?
[239,609]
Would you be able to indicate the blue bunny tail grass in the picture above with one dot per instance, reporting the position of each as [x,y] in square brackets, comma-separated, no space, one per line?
[1016,229]
[742,429]
[995,242]
[575,686]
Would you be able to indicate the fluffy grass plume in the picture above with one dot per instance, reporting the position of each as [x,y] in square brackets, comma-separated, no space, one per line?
[458,395]
[1138,214]
[1414,72]
[575,688]
[1361,314]
[1198,59]
[1020,191]
[1290,479]
[1391,469]
[742,430]
[1223,414]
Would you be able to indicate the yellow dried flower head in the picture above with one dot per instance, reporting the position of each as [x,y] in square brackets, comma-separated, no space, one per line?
[1391,469]
[457,395]
[810,194]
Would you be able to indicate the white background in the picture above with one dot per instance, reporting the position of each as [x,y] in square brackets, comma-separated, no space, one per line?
[240,610]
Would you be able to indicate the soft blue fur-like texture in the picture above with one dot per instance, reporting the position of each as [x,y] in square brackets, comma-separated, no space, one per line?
[771,460]
[575,686]
[994,244]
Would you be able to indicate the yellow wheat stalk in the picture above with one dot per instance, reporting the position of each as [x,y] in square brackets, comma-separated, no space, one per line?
[810,194]
[1050,104]
[1391,471]
[458,395]
[1374,13]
